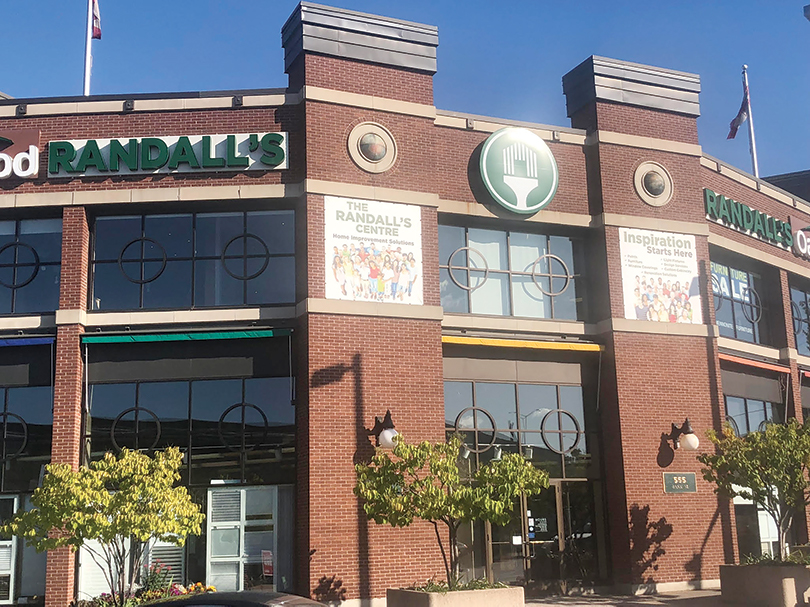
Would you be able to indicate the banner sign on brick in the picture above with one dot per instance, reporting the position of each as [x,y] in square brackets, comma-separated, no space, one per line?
[660,276]
[373,251]
[167,154]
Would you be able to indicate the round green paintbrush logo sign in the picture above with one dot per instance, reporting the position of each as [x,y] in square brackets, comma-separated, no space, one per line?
[519,170]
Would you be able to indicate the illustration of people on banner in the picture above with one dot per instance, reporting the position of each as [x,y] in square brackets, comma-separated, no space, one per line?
[660,276]
[373,251]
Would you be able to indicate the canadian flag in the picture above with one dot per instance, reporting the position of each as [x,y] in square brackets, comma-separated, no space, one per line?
[96,21]
[741,116]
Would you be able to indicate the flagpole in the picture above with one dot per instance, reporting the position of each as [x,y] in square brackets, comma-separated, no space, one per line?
[88,49]
[752,143]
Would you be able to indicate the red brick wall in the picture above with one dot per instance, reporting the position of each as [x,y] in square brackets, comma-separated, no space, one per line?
[360,77]
[358,368]
[75,257]
[644,122]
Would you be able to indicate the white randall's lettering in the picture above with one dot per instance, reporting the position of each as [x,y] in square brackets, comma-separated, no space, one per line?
[23,165]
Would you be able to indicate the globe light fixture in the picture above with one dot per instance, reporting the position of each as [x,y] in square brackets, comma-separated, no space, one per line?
[684,437]
[384,431]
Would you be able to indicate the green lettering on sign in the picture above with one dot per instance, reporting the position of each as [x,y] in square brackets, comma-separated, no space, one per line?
[128,154]
[710,199]
[183,154]
[61,154]
[208,161]
[273,152]
[148,160]
[232,159]
[91,157]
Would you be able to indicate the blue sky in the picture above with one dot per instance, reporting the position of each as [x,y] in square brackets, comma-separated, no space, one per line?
[498,58]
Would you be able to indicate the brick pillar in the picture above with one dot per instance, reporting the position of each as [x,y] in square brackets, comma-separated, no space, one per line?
[68,383]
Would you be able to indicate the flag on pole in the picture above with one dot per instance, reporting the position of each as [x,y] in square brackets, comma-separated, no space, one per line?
[96,21]
[741,116]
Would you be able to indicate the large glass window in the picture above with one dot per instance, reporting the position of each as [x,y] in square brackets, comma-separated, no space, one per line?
[30,262]
[739,308]
[194,260]
[749,415]
[547,423]
[230,429]
[510,273]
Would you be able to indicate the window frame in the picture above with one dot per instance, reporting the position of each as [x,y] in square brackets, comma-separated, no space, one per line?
[575,278]
[721,301]
[193,260]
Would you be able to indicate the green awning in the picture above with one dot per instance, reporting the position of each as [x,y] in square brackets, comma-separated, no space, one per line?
[152,337]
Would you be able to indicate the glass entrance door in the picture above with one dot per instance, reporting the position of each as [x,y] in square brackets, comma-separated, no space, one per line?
[8,545]
[555,540]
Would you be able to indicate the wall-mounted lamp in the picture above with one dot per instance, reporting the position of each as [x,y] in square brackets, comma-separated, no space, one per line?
[384,431]
[464,452]
[497,452]
[684,437]
[528,452]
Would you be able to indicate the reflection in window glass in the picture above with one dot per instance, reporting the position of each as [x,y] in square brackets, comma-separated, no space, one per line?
[518,411]
[800,299]
[740,310]
[193,260]
[510,273]
[749,415]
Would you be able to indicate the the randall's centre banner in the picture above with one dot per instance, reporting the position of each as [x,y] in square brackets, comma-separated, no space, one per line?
[660,276]
[167,154]
[373,251]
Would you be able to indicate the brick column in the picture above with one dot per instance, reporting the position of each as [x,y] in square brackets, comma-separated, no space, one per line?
[68,383]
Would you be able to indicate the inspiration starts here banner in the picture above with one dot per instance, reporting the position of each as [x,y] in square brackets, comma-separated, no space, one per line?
[373,251]
[660,276]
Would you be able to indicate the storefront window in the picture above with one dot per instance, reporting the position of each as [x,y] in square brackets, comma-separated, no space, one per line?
[30,262]
[194,260]
[510,273]
[546,423]
[738,305]
[748,415]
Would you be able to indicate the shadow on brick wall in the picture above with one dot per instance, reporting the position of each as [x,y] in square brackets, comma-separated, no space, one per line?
[329,589]
[646,543]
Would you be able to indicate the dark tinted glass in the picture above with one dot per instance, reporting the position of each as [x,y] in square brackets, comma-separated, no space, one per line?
[213,286]
[112,234]
[275,285]
[171,289]
[215,230]
[173,232]
[169,401]
[111,289]
[42,293]
[45,236]
[107,401]
[275,228]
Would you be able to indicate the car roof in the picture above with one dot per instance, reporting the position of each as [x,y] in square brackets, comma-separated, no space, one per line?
[247,598]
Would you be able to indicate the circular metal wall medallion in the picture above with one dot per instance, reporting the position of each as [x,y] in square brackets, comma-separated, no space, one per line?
[653,184]
[372,147]
[518,170]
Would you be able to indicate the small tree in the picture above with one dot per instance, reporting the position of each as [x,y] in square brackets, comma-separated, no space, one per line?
[768,467]
[423,481]
[122,502]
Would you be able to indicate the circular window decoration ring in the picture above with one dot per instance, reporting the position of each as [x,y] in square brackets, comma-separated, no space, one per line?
[384,153]
[244,407]
[653,184]
[451,267]
[141,260]
[245,236]
[487,446]
[130,410]
[577,430]
[35,266]
[551,275]
[752,309]
[798,321]
[24,425]
[716,293]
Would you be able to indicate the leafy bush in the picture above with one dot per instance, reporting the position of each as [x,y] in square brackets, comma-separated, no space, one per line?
[156,577]
[433,585]
[794,558]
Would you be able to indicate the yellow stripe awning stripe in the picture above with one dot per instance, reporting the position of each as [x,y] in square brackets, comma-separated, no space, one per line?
[521,343]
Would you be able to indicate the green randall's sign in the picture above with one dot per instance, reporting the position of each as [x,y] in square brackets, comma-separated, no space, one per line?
[745,219]
[180,154]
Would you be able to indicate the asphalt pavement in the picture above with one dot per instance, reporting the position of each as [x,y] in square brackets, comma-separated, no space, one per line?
[691,598]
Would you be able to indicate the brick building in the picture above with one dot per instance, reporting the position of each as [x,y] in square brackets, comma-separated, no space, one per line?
[255,275]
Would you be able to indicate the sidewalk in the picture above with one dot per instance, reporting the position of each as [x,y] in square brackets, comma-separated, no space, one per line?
[691,598]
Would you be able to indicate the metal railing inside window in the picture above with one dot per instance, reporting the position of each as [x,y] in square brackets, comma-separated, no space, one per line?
[738,306]
[510,273]
[194,260]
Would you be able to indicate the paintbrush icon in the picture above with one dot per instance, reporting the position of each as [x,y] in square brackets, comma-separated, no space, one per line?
[520,172]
